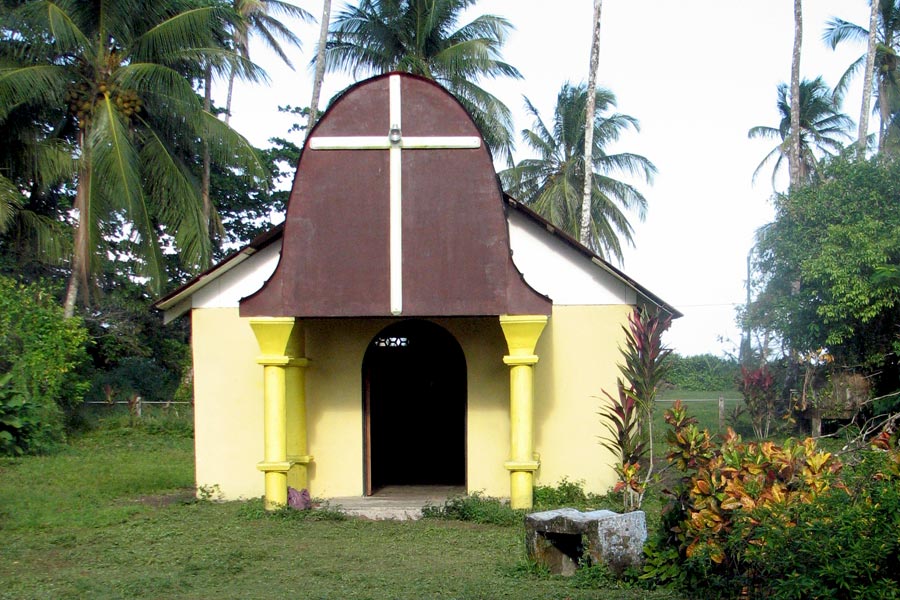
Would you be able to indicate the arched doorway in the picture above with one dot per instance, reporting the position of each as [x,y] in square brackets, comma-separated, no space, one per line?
[414,395]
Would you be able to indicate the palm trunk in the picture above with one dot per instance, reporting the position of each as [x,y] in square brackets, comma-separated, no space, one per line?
[231,77]
[320,66]
[205,176]
[867,81]
[590,109]
[884,100]
[81,250]
[794,152]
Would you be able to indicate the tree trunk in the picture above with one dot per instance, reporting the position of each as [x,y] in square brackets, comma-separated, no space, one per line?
[205,176]
[231,77]
[794,152]
[867,81]
[81,249]
[590,109]
[883,94]
[320,67]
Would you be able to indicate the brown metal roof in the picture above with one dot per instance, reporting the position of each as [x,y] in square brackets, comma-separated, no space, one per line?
[335,250]
[336,255]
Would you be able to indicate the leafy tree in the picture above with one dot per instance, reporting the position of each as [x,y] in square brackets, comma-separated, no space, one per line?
[703,373]
[423,37]
[247,205]
[41,355]
[822,129]
[34,184]
[113,82]
[886,66]
[552,183]
[816,263]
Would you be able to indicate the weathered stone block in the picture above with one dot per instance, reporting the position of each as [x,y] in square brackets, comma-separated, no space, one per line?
[617,540]
[558,539]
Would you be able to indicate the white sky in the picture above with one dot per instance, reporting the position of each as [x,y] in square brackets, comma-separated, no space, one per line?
[698,74]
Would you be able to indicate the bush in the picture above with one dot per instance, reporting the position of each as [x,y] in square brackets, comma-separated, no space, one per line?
[759,520]
[40,356]
[134,376]
[703,373]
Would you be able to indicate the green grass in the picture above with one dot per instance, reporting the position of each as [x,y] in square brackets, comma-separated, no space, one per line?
[113,516]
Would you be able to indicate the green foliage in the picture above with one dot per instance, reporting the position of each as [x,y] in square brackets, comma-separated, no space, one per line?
[247,205]
[823,128]
[629,418]
[552,184]
[109,86]
[172,421]
[776,521]
[702,373]
[476,508]
[40,357]
[844,545]
[757,387]
[255,510]
[816,263]
[646,359]
[621,418]
[424,37]
[134,376]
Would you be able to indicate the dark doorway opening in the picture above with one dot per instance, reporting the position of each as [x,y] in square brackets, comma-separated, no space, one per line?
[414,377]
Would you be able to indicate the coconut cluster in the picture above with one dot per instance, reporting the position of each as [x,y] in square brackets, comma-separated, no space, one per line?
[84,97]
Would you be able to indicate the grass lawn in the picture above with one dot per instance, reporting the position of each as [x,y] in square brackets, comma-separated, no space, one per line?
[112,516]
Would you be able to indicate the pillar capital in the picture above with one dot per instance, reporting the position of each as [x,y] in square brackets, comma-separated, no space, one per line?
[522,332]
[278,336]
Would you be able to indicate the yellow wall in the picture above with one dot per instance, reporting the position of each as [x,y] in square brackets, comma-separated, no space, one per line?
[228,403]
[578,355]
[334,402]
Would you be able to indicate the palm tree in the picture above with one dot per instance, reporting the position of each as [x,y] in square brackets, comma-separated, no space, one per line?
[552,183]
[114,74]
[258,17]
[822,129]
[887,65]
[422,37]
[33,177]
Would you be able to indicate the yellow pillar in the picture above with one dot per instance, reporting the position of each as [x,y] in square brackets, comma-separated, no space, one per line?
[281,343]
[295,411]
[522,333]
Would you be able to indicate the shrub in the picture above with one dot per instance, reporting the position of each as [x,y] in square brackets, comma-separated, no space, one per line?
[134,376]
[40,356]
[703,373]
[761,520]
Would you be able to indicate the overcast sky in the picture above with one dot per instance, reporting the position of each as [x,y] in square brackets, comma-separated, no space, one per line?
[697,74]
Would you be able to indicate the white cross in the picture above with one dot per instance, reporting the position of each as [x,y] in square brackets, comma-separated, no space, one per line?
[394,142]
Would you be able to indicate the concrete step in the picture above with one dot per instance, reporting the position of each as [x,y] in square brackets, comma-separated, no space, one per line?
[397,503]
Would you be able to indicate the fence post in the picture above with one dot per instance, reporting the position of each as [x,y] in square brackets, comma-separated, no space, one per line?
[721,413]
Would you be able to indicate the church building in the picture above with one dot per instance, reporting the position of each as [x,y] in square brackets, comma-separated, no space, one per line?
[408,324]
